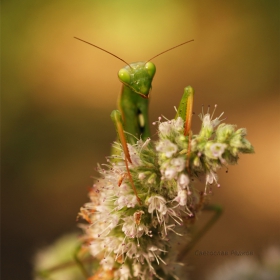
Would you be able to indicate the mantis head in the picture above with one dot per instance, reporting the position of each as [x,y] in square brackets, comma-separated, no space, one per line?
[138,76]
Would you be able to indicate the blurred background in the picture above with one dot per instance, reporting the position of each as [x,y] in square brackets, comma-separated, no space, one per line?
[57,95]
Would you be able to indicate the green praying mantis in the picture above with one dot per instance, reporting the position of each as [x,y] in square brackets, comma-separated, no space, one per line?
[132,123]
[132,117]
[133,103]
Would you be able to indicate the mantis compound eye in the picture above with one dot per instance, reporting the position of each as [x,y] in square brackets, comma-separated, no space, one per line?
[151,69]
[124,76]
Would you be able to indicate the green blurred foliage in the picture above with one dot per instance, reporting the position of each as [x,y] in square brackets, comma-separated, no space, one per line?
[57,95]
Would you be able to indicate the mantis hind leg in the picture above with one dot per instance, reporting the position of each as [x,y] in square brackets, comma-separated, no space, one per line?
[217,210]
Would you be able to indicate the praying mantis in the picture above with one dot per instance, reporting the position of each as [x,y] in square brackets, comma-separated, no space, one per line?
[132,122]
[133,103]
[132,117]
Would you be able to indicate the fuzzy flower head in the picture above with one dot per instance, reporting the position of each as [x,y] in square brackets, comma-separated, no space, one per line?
[138,209]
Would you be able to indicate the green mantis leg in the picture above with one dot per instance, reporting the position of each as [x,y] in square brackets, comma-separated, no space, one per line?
[116,118]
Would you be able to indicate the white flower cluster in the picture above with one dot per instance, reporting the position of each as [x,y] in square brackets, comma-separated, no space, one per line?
[133,239]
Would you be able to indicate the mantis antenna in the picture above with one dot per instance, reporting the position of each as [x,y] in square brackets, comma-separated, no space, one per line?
[170,49]
[103,50]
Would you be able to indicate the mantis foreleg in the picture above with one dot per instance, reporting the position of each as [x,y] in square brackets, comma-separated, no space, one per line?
[116,118]
[185,108]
